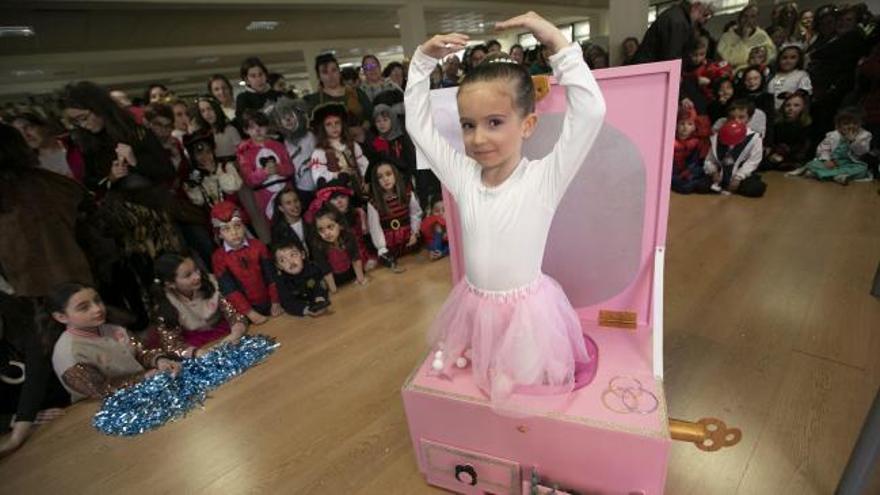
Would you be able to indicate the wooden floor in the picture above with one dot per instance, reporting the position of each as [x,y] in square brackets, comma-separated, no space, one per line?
[769,326]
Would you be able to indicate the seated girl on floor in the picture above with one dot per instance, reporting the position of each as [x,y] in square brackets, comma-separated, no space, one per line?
[840,156]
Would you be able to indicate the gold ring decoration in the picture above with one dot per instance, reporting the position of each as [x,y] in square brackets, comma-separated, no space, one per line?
[395,224]
[626,395]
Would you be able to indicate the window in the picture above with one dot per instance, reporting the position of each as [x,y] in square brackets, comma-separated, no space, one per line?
[729,6]
[582,31]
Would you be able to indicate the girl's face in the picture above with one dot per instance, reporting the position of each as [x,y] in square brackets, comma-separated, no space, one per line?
[84,310]
[32,134]
[757,56]
[256,79]
[207,112]
[289,260]
[725,91]
[333,127]
[793,108]
[386,178]
[205,159]
[329,75]
[517,55]
[807,19]
[684,129]
[477,57]
[738,115]
[290,205]
[289,121]
[85,119]
[161,127]
[752,80]
[788,60]
[340,202]
[383,124]
[257,132]
[630,48]
[372,70]
[492,127]
[396,76]
[181,118]
[439,209]
[221,91]
[848,128]
[187,278]
[328,229]
[157,94]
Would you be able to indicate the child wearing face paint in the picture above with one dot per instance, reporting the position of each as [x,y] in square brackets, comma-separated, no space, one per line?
[92,358]
[840,156]
[190,309]
[335,250]
[515,322]
[257,94]
[243,266]
[291,119]
[264,162]
[790,146]
[336,155]
[434,230]
[394,215]
[287,222]
[301,285]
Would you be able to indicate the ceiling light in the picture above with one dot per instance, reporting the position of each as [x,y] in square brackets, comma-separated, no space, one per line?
[207,60]
[397,26]
[27,72]
[262,25]
[241,83]
[17,31]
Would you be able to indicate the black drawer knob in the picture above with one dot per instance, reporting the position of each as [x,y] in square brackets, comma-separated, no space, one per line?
[466,474]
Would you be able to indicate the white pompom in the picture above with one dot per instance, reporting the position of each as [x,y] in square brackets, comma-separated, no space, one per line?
[438,355]
[437,365]
[461,362]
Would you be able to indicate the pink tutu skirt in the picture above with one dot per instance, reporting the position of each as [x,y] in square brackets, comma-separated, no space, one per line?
[525,347]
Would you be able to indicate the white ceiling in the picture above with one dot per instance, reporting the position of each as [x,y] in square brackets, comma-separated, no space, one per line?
[128,44]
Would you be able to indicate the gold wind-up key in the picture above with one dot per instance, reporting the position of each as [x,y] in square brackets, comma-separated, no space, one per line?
[708,434]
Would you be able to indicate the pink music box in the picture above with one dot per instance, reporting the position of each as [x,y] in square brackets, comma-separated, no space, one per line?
[606,250]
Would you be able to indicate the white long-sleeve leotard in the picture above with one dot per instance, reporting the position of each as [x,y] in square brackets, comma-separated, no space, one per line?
[504,228]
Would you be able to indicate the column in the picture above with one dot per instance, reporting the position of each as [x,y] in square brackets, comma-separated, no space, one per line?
[625,19]
[413,29]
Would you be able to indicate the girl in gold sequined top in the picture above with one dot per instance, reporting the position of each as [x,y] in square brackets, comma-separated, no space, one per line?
[190,309]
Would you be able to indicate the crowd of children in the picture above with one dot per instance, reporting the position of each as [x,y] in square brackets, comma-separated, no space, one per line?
[202,217]
[760,106]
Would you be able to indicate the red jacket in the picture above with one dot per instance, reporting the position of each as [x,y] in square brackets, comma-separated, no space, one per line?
[713,71]
[253,174]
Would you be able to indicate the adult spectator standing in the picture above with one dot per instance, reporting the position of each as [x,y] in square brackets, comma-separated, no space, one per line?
[736,44]
[673,34]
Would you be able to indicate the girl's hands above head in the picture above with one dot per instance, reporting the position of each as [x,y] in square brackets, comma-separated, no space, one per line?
[442,45]
[544,31]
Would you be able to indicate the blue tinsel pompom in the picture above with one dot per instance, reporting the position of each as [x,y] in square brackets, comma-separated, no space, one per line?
[163,398]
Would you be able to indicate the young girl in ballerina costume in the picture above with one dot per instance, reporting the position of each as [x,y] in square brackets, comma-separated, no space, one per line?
[514,323]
